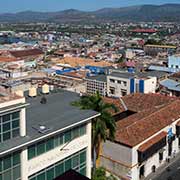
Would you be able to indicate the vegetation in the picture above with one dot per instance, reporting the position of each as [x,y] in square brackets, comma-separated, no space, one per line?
[100,174]
[104,126]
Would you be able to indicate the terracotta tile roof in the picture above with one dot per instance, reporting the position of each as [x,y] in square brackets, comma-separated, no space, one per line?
[7,59]
[145,124]
[152,141]
[138,102]
[79,74]
[116,102]
[74,62]
[25,53]
[178,123]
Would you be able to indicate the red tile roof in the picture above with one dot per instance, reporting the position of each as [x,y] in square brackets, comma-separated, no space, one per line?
[7,59]
[25,53]
[152,141]
[140,126]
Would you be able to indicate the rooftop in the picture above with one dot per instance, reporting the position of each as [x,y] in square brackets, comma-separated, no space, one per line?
[153,113]
[146,123]
[25,53]
[6,96]
[57,115]
[75,62]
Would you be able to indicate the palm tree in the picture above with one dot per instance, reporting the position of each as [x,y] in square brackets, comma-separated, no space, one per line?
[103,127]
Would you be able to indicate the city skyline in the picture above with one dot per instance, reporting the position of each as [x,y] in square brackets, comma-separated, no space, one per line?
[57,5]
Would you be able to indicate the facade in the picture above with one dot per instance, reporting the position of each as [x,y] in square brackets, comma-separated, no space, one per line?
[121,84]
[44,136]
[97,83]
[174,62]
[144,140]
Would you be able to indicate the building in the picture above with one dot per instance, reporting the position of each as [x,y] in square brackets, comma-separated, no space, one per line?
[121,84]
[145,139]
[43,136]
[153,50]
[174,61]
[96,83]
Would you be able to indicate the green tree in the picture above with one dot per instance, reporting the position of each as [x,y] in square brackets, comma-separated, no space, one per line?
[104,126]
[100,174]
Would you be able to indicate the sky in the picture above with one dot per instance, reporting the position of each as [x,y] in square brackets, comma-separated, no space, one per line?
[57,5]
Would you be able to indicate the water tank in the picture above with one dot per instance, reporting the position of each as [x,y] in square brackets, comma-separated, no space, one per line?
[32,92]
[45,89]
[19,93]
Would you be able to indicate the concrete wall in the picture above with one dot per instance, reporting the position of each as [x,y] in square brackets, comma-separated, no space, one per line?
[29,167]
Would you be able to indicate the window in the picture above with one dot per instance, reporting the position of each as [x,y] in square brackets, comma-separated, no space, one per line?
[124,83]
[123,92]
[10,167]
[160,156]
[9,126]
[76,161]
[51,143]
[119,82]
[112,90]
[112,80]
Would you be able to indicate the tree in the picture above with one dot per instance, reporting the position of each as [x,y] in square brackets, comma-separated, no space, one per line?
[100,174]
[104,126]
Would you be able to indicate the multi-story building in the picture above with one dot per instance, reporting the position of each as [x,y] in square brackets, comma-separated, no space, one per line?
[42,137]
[97,83]
[174,61]
[121,84]
[147,135]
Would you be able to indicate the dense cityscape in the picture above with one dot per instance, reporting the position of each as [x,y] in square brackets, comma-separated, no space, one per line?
[90,95]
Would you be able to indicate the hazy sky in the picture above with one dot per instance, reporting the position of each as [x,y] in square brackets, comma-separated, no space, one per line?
[56,5]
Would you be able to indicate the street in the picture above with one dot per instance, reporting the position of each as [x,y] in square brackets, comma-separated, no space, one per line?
[170,173]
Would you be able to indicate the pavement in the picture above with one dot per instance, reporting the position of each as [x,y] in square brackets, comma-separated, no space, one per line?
[168,171]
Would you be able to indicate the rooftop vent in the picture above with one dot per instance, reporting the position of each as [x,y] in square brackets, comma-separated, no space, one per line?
[42,129]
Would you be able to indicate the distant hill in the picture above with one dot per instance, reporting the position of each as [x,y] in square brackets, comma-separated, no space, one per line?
[166,12]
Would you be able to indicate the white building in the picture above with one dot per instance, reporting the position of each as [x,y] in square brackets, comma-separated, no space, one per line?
[144,139]
[121,84]
[96,83]
[41,138]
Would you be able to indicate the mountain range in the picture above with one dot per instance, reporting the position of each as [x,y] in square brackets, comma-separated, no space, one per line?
[147,13]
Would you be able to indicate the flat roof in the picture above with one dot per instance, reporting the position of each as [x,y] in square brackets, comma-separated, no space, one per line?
[56,115]
[101,77]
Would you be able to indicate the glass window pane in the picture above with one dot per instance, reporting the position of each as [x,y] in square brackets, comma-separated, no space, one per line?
[6,117]
[75,133]
[41,176]
[0,176]
[15,115]
[67,165]
[16,172]
[56,141]
[50,174]
[15,132]
[50,144]
[75,161]
[31,152]
[83,171]
[67,136]
[82,130]
[40,148]
[59,169]
[6,136]
[6,126]
[7,162]
[15,124]
[16,159]
[0,166]
[7,175]
[82,157]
